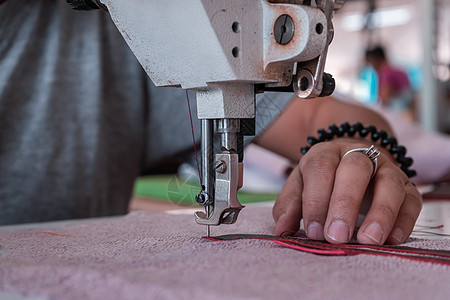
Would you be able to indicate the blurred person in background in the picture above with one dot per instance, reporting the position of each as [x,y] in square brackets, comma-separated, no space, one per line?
[394,89]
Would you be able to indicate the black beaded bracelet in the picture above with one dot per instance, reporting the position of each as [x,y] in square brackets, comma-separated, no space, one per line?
[390,143]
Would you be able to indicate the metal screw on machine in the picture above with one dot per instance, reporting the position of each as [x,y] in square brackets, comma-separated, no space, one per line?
[203,199]
[220,166]
[284,29]
[200,198]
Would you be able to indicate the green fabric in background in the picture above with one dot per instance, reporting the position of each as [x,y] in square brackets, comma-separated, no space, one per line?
[180,191]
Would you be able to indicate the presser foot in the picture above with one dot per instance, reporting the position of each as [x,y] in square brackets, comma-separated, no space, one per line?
[225,206]
[227,216]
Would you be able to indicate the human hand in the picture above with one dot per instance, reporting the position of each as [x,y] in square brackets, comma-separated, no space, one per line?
[327,191]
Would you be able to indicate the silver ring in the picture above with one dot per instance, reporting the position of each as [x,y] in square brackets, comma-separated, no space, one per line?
[372,153]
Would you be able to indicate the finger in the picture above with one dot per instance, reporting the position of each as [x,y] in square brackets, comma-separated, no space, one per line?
[318,171]
[352,178]
[287,211]
[388,197]
[407,216]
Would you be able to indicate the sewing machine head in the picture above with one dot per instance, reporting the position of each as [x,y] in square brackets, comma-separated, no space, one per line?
[227,51]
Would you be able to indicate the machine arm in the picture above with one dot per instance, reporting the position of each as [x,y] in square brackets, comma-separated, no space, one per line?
[227,51]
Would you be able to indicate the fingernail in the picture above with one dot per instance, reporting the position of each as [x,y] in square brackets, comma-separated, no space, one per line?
[374,232]
[315,231]
[339,231]
[398,235]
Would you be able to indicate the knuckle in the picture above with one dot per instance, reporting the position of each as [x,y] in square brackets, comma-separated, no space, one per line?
[387,212]
[314,203]
[392,170]
[396,183]
[359,161]
[408,218]
[313,197]
[318,163]
[347,202]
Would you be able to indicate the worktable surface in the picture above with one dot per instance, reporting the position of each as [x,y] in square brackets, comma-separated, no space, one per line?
[161,255]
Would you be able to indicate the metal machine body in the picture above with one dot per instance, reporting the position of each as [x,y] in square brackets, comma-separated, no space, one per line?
[227,51]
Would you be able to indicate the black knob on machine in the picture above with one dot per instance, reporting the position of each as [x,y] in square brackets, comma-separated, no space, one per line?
[328,85]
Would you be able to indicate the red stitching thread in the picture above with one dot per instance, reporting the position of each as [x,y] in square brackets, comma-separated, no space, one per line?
[321,248]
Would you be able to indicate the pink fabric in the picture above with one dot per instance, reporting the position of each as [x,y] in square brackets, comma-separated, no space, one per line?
[160,256]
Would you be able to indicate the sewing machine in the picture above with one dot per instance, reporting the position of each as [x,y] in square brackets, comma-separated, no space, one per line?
[227,51]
